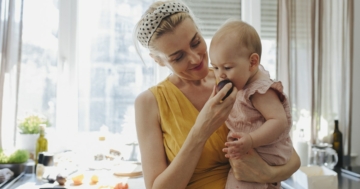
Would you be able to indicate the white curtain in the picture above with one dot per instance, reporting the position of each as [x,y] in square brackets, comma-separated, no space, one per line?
[10,48]
[314,63]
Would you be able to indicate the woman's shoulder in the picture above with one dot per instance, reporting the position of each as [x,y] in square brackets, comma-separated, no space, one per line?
[149,97]
[146,98]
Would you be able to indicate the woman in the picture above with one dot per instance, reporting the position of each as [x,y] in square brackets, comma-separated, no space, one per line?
[180,121]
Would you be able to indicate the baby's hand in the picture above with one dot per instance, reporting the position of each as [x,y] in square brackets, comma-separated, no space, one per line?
[238,144]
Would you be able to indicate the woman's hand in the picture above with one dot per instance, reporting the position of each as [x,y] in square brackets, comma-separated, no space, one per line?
[251,167]
[215,111]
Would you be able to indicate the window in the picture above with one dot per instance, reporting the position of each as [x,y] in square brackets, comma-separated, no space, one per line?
[260,14]
[39,54]
[80,67]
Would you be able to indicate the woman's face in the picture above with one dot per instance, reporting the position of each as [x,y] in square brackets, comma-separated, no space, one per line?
[183,51]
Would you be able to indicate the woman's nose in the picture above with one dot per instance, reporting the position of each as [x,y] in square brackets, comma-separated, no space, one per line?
[194,57]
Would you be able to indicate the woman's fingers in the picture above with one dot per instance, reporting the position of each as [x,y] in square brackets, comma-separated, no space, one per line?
[222,93]
[213,93]
[249,166]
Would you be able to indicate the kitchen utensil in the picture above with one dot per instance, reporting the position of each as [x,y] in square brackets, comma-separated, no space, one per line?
[324,155]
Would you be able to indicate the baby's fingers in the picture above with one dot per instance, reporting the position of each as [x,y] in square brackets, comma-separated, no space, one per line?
[232,150]
[237,135]
[231,143]
[231,154]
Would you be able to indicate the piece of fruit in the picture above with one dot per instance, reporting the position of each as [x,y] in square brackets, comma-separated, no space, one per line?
[221,84]
[121,186]
[94,179]
[77,180]
[60,179]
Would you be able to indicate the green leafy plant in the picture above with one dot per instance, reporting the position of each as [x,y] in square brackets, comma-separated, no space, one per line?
[31,124]
[19,156]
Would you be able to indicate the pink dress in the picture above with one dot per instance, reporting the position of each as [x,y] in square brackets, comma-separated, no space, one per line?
[245,118]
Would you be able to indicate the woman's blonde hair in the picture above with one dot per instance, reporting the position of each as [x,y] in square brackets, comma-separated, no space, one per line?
[166,25]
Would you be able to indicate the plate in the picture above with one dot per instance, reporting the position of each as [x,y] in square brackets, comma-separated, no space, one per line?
[128,169]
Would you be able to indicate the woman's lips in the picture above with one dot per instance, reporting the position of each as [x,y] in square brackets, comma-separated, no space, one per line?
[199,66]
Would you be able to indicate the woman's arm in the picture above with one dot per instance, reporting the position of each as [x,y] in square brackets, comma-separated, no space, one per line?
[250,167]
[157,172]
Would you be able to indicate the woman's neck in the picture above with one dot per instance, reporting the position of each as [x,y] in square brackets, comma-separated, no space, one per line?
[196,91]
[181,82]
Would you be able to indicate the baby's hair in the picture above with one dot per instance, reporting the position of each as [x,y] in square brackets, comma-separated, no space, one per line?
[245,33]
[166,25]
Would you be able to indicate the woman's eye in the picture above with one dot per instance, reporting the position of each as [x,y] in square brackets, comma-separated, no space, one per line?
[227,68]
[178,58]
[196,43]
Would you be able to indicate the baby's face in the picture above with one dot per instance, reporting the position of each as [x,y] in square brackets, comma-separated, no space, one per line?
[230,61]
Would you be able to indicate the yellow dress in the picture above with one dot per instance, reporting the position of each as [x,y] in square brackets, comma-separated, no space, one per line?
[178,115]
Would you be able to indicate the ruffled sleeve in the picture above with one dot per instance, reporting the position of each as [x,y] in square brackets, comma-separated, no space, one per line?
[262,86]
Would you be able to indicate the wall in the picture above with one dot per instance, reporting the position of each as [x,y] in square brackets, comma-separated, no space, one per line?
[355,139]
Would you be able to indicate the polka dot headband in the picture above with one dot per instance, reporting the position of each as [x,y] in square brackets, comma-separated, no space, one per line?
[152,20]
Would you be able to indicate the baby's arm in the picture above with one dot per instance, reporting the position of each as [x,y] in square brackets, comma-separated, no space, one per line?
[271,108]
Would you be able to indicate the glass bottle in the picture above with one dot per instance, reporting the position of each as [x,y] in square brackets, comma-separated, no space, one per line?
[41,143]
[338,144]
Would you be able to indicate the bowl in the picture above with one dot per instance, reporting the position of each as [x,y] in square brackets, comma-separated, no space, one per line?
[16,168]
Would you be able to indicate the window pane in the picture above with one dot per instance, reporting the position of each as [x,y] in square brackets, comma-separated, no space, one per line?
[111,74]
[268,34]
[38,77]
[212,14]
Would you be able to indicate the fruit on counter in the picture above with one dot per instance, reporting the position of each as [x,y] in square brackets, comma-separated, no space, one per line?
[61,179]
[117,186]
[50,179]
[221,84]
[94,179]
[121,186]
[77,179]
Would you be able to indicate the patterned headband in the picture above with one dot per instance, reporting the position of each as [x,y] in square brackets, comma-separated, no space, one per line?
[152,20]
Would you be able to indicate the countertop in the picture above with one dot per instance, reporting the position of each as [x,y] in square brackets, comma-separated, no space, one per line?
[28,181]
[344,182]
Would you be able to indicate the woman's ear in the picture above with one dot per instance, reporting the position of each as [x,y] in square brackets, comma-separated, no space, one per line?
[157,59]
[254,60]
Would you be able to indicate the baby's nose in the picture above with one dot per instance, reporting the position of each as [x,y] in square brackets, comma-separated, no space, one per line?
[222,76]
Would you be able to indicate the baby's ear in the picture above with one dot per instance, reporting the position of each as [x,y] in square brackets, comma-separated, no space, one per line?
[157,59]
[254,60]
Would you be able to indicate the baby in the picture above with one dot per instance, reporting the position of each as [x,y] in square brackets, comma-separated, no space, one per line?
[260,117]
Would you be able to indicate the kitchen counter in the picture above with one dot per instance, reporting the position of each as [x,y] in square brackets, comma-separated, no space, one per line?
[107,178]
[28,181]
[344,182]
